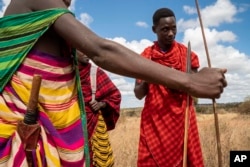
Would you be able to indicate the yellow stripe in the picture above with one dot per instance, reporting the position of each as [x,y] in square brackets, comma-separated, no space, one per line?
[55,94]
[7,130]
[61,118]
[38,157]
[65,118]
[102,151]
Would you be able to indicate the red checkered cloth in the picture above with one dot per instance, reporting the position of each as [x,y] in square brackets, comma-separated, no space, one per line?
[163,116]
[106,92]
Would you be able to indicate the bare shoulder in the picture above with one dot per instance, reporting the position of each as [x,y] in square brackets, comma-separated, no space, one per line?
[25,6]
[45,4]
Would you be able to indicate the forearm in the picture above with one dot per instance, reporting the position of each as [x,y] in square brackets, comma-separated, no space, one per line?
[120,60]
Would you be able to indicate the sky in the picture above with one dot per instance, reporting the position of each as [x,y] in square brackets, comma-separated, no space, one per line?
[128,22]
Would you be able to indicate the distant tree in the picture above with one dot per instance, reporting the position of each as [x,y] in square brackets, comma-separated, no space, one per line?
[247,98]
[245,106]
[195,100]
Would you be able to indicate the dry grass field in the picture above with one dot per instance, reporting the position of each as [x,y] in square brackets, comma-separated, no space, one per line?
[234,135]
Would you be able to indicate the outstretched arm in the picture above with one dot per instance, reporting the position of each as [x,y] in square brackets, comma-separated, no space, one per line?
[208,83]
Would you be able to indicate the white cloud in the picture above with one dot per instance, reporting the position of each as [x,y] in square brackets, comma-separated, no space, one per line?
[243,7]
[86,19]
[141,24]
[222,11]
[189,10]
[72,5]
[137,46]
[4,4]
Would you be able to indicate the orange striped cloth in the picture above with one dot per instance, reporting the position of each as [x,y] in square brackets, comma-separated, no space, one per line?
[162,120]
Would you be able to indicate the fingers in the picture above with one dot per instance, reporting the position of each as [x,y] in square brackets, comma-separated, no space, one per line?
[223,70]
[224,78]
[224,81]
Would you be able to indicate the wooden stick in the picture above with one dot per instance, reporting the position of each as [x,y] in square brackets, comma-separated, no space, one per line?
[31,112]
[188,68]
[214,103]
[28,129]
[36,83]
[185,137]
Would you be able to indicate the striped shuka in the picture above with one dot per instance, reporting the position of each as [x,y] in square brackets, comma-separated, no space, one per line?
[63,136]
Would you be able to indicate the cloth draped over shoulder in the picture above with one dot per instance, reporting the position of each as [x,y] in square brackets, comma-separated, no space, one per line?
[106,92]
[19,33]
[61,114]
[163,115]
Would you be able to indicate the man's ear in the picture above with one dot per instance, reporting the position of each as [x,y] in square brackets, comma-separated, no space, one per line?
[153,28]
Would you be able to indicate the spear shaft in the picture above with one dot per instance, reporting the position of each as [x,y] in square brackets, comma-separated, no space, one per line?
[186,124]
[216,121]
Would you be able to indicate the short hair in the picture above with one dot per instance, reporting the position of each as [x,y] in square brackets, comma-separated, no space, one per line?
[162,12]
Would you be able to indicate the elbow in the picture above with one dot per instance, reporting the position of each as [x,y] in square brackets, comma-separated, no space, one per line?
[101,54]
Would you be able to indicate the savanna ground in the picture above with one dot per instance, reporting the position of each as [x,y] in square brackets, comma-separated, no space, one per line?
[234,135]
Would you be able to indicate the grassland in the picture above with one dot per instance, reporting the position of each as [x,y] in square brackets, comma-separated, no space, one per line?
[234,135]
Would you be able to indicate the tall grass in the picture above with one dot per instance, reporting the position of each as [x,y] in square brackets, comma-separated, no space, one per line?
[234,135]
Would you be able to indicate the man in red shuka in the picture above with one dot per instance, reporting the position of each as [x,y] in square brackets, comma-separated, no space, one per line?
[162,120]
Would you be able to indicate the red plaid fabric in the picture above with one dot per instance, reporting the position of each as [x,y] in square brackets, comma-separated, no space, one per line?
[163,116]
[106,91]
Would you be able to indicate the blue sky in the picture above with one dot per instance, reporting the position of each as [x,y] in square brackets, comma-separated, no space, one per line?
[129,22]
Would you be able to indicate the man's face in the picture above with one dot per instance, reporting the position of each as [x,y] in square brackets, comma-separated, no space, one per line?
[82,58]
[165,30]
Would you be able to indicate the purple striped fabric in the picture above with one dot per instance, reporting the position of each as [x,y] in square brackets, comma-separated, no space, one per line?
[61,141]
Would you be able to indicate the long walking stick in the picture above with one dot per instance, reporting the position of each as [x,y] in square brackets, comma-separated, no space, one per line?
[28,129]
[214,103]
[188,68]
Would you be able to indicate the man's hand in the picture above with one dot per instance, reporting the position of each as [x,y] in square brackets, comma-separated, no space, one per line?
[207,83]
[96,106]
[140,89]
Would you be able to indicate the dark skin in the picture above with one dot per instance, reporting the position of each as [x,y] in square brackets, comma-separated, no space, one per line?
[165,31]
[95,105]
[114,57]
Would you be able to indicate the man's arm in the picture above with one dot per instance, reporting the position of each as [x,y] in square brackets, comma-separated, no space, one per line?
[118,59]
[208,83]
